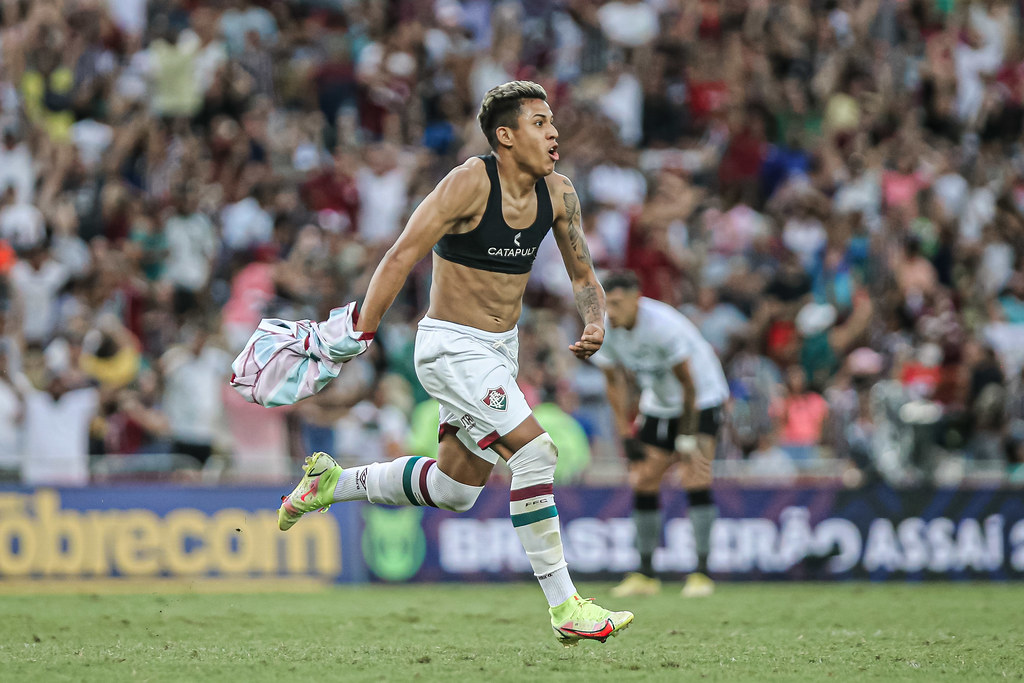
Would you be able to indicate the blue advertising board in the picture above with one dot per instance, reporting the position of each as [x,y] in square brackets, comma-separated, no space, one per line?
[822,533]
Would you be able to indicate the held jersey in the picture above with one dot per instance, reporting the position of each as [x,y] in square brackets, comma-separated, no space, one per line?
[493,245]
[661,338]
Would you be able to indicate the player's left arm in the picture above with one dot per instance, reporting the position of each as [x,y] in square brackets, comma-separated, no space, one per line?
[688,421]
[568,229]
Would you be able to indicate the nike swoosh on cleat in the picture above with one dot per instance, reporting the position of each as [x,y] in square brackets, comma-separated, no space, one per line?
[312,489]
[317,474]
[605,631]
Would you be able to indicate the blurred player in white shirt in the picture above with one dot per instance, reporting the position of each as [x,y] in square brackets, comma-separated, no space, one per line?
[683,389]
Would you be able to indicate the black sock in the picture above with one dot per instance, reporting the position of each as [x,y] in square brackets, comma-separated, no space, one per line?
[646,564]
[702,513]
[647,519]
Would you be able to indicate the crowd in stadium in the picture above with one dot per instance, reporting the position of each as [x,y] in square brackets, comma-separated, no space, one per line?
[832,190]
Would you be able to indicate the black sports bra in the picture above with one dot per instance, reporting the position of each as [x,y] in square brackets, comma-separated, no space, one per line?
[493,245]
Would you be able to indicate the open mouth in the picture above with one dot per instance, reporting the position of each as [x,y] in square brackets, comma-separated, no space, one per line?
[553,152]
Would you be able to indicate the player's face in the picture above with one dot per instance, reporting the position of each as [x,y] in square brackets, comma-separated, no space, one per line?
[622,305]
[535,142]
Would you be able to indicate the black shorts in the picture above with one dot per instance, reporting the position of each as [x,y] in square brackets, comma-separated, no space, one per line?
[662,431]
[199,451]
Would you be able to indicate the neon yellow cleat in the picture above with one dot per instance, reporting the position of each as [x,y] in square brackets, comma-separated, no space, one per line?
[636,583]
[698,586]
[315,491]
[577,619]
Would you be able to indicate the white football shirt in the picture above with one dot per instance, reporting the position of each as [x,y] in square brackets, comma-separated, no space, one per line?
[661,338]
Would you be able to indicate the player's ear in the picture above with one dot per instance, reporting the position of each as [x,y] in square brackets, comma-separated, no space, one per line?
[504,136]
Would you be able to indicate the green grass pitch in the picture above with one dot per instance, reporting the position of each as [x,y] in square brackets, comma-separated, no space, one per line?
[753,632]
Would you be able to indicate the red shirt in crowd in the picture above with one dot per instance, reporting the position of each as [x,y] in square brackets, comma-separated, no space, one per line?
[706,98]
[658,275]
[331,191]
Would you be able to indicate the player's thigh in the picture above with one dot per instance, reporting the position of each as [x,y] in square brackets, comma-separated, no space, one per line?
[461,464]
[645,475]
[696,471]
[657,435]
[475,383]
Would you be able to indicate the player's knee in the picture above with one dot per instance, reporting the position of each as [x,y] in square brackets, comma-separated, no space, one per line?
[647,485]
[699,477]
[460,503]
[452,495]
[645,476]
[535,462]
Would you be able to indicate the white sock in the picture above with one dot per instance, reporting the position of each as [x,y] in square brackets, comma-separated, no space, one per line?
[351,485]
[535,517]
[409,480]
[557,586]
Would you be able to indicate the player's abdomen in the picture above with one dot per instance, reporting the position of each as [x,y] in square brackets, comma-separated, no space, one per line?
[477,298]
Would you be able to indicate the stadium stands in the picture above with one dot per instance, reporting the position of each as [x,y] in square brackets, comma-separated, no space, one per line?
[832,191]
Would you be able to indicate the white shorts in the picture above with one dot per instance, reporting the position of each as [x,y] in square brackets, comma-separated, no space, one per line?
[472,374]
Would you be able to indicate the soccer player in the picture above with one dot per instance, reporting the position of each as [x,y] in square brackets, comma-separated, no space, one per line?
[484,222]
[683,389]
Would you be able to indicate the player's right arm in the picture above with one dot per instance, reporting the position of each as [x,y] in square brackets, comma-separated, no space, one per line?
[688,420]
[460,196]
[618,398]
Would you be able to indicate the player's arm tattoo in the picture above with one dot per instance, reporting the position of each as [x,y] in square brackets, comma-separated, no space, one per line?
[588,303]
[576,239]
[589,296]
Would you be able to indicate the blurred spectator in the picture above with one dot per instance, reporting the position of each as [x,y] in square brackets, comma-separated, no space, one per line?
[36,281]
[801,414]
[383,186]
[138,424]
[915,277]
[246,222]
[719,322]
[46,87]
[755,384]
[17,167]
[194,374]
[629,23]
[622,102]
[1015,421]
[22,225]
[822,343]
[242,18]
[11,413]
[987,401]
[771,461]
[191,247]
[110,355]
[332,188]
[56,431]
[376,429]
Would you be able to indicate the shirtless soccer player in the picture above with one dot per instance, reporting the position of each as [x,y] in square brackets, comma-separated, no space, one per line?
[683,389]
[484,222]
